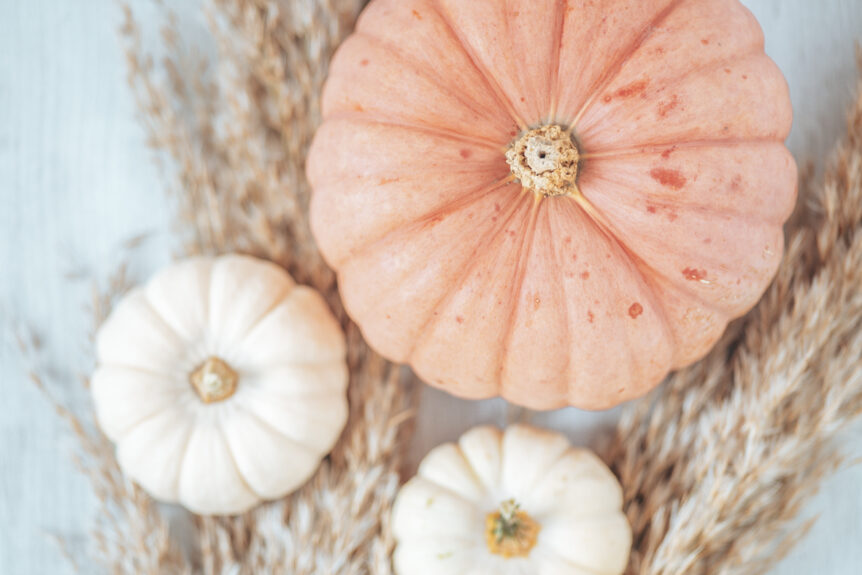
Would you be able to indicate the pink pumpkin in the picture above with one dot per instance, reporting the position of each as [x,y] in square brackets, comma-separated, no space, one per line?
[554,201]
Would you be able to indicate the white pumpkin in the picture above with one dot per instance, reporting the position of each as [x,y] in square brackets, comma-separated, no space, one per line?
[222,383]
[519,502]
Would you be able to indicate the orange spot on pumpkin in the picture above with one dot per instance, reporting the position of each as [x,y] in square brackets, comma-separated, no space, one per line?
[358,107]
[585,275]
[736,183]
[537,303]
[671,178]
[705,41]
[693,274]
[364,62]
[666,154]
[727,70]
[590,317]
[651,209]
[466,153]
[459,319]
[635,310]
[417,15]
[707,241]
[634,89]
[664,108]
[384,181]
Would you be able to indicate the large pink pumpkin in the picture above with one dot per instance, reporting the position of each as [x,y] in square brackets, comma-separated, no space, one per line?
[553,201]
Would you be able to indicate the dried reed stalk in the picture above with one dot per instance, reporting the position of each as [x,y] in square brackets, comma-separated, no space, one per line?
[717,465]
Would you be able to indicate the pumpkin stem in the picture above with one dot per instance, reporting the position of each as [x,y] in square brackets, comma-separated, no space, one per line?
[545,160]
[214,380]
[510,532]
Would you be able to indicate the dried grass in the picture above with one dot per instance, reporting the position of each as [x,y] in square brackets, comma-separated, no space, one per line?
[716,464]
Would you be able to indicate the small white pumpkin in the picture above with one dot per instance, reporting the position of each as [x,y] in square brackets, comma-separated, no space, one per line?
[523,502]
[222,383]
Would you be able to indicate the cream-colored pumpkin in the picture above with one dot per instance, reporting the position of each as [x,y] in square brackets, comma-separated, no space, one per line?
[519,502]
[222,383]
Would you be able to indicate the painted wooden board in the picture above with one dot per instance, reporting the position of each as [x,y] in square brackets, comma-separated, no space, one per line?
[76,181]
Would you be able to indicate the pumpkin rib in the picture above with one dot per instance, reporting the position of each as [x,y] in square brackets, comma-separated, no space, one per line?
[684,288]
[232,459]
[752,48]
[181,462]
[554,550]
[579,568]
[744,111]
[652,149]
[680,287]
[495,88]
[282,298]
[170,395]
[544,473]
[193,273]
[322,420]
[554,83]
[640,263]
[144,300]
[254,380]
[471,263]
[520,272]
[370,118]
[561,287]
[701,208]
[406,228]
[421,69]
[471,434]
[118,437]
[469,466]
[265,424]
[614,69]
[149,441]
[683,355]
[751,55]
[606,228]
[448,491]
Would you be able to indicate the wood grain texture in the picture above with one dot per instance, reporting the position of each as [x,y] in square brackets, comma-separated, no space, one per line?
[76,181]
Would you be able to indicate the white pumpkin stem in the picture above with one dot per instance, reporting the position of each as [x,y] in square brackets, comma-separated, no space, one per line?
[510,532]
[545,160]
[214,380]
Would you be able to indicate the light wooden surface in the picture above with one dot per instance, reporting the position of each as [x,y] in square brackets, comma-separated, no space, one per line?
[76,181]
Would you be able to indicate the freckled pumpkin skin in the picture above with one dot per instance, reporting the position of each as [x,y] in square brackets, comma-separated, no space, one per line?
[672,229]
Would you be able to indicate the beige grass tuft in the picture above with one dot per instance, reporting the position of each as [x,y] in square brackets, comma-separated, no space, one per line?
[717,464]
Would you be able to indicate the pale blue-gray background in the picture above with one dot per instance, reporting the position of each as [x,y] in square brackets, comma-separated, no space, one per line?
[76,181]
